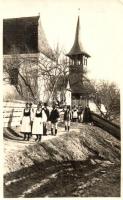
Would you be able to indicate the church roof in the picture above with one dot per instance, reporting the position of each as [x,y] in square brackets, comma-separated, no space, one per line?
[43,45]
[77,48]
[25,35]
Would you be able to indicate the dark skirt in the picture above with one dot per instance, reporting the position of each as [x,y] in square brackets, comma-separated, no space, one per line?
[87,118]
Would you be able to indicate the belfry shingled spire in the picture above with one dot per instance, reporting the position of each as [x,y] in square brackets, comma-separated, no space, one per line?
[77,48]
[77,64]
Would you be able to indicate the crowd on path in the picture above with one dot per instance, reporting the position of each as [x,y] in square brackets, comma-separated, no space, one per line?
[36,121]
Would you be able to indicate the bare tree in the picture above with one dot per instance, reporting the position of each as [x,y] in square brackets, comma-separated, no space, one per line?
[20,75]
[54,73]
[107,94]
[24,72]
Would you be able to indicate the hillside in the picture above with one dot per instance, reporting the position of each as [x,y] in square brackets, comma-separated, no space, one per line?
[84,162]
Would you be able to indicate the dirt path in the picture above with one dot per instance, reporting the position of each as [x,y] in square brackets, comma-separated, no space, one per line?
[14,143]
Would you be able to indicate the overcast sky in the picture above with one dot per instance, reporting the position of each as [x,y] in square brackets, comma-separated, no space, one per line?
[101,29]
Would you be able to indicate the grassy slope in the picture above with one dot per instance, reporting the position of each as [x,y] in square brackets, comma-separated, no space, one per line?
[87,151]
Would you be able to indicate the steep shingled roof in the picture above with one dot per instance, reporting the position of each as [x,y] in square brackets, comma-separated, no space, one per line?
[26,35]
[77,48]
[43,45]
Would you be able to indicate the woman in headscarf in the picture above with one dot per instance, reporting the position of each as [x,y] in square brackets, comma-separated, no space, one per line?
[87,118]
[26,122]
[37,128]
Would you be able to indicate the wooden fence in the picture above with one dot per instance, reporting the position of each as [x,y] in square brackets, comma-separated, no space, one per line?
[12,112]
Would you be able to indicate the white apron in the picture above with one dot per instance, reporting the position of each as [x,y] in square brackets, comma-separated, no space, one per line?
[37,127]
[75,114]
[26,122]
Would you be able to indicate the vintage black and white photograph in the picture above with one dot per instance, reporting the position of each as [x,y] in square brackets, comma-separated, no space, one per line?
[62,62]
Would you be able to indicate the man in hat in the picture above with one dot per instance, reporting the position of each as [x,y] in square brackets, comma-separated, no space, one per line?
[54,116]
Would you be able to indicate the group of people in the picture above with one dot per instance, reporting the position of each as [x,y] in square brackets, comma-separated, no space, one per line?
[77,114]
[81,114]
[35,122]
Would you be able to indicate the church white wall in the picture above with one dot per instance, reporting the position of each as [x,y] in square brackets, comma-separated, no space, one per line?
[10,92]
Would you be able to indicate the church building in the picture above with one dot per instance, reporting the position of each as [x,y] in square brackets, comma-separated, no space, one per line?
[24,45]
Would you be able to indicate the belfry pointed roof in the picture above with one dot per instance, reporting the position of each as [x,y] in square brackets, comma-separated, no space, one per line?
[77,48]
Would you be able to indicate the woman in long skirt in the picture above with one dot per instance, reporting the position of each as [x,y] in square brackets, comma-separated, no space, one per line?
[26,122]
[37,128]
[87,118]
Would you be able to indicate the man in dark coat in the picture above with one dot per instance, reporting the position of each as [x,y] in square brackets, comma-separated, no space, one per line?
[87,118]
[54,116]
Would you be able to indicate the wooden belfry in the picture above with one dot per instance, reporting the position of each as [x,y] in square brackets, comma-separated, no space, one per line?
[77,63]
